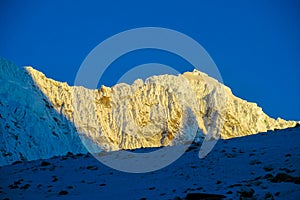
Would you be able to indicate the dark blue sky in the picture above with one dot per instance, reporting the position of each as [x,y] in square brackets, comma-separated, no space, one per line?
[255,44]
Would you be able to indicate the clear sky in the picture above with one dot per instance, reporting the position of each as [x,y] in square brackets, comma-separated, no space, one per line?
[255,44]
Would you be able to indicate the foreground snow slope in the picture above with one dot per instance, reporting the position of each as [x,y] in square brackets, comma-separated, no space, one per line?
[262,166]
[41,117]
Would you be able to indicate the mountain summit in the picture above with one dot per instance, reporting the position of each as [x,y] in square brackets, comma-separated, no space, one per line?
[41,117]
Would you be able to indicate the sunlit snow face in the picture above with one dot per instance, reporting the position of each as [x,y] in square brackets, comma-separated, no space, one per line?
[160,111]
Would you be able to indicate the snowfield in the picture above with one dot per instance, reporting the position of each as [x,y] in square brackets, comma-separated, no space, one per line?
[262,166]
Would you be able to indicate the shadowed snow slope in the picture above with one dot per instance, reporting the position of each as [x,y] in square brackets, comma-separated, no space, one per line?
[29,126]
[262,166]
[41,117]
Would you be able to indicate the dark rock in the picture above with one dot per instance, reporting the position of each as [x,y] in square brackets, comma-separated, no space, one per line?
[45,163]
[246,192]
[200,196]
[63,192]
[257,178]
[18,182]
[269,196]
[282,177]
[230,155]
[257,183]
[16,162]
[268,168]
[264,187]
[255,162]
[235,185]
[268,176]
[287,170]
[13,186]
[92,167]
[70,154]
[54,179]
[277,194]
[190,148]
[24,187]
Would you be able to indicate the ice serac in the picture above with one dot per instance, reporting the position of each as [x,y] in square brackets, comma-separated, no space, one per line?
[41,117]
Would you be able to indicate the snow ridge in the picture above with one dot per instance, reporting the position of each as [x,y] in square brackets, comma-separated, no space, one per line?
[41,117]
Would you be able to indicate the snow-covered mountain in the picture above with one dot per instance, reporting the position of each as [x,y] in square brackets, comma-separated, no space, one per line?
[41,117]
